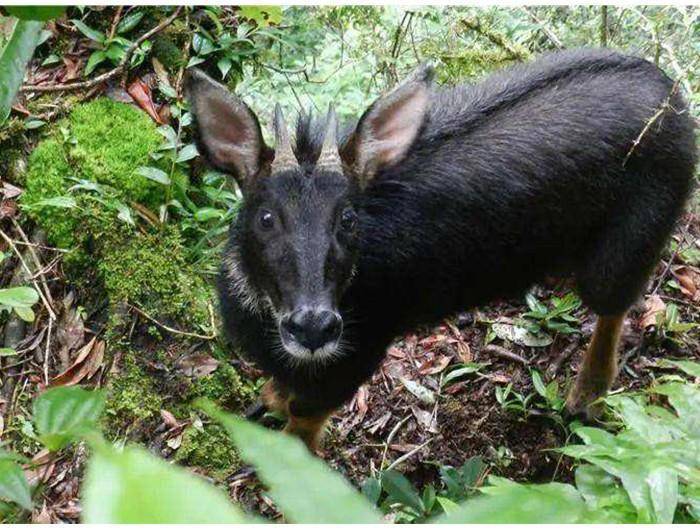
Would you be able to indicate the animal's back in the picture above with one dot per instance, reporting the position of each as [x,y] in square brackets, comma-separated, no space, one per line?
[518,177]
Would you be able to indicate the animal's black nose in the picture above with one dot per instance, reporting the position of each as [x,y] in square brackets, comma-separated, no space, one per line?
[313,329]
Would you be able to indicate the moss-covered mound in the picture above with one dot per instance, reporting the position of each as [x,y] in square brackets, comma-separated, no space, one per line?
[98,148]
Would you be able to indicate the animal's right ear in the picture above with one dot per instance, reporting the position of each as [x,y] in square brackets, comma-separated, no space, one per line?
[389,127]
[227,131]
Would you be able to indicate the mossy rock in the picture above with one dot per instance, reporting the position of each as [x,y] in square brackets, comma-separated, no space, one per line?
[151,271]
[210,448]
[133,399]
[102,142]
[225,387]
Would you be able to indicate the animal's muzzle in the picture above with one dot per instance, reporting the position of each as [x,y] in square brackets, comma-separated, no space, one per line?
[313,329]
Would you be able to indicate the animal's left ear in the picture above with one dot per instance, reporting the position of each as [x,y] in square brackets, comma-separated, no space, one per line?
[389,126]
[228,132]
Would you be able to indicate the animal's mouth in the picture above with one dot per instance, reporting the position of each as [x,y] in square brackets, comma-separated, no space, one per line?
[304,354]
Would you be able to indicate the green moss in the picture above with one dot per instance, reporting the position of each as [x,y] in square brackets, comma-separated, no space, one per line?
[208,447]
[112,141]
[225,387]
[132,398]
[167,52]
[103,142]
[150,270]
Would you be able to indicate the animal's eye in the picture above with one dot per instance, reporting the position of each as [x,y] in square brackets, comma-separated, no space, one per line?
[348,219]
[266,219]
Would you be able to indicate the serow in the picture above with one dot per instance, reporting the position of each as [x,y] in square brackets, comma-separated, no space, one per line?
[439,199]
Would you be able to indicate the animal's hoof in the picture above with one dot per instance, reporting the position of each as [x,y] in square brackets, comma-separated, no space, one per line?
[583,407]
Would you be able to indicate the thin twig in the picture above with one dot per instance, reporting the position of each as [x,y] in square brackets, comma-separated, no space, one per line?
[390,438]
[35,257]
[662,109]
[548,32]
[119,69]
[499,351]
[29,272]
[178,331]
[408,455]
[514,52]
[115,22]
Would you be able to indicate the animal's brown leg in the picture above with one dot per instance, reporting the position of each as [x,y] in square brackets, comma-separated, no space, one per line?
[308,429]
[599,367]
[275,399]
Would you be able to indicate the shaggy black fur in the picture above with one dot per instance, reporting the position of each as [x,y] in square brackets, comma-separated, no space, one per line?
[525,175]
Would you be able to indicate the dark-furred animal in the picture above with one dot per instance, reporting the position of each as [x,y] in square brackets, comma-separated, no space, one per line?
[438,200]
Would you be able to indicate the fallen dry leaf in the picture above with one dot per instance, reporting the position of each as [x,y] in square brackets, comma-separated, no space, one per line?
[435,365]
[168,418]
[688,280]
[198,365]
[89,360]
[653,306]
[141,93]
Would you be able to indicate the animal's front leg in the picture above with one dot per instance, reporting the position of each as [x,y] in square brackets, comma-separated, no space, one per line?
[307,423]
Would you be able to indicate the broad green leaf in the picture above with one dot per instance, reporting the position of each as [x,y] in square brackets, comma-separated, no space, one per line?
[372,489]
[13,484]
[57,202]
[90,33]
[187,153]
[14,58]
[539,385]
[461,371]
[19,297]
[95,59]
[136,487]
[41,13]
[25,313]
[300,484]
[663,486]
[508,502]
[155,174]
[224,65]
[63,414]
[208,213]
[689,367]
[7,352]
[401,490]
[130,21]
[33,124]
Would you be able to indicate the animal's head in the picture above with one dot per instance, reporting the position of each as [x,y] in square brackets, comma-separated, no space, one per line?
[298,228]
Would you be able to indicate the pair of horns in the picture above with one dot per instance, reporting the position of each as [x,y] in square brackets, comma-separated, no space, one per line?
[284,155]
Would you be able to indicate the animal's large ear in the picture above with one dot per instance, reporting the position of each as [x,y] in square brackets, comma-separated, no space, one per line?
[227,131]
[389,126]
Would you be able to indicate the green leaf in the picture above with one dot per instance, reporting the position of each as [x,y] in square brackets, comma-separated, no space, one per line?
[187,153]
[135,487]
[14,60]
[13,484]
[18,297]
[25,313]
[41,13]
[63,414]
[57,202]
[95,59]
[7,352]
[663,486]
[372,489]
[539,385]
[508,502]
[299,483]
[689,367]
[208,213]
[224,65]
[130,21]
[461,371]
[33,124]
[155,174]
[90,33]
[401,490]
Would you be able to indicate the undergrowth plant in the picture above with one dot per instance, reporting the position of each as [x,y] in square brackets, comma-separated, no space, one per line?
[647,470]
